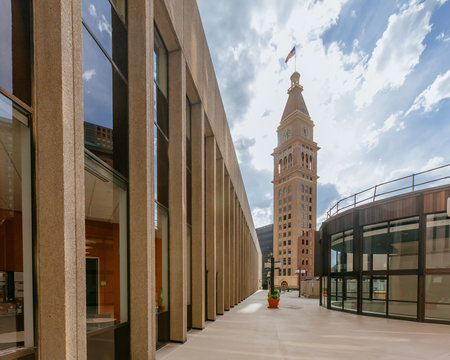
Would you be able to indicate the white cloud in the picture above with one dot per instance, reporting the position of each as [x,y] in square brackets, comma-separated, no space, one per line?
[433,94]
[371,137]
[104,25]
[92,10]
[396,54]
[88,74]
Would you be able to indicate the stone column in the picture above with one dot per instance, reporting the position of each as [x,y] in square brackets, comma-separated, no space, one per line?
[59,180]
[226,266]
[198,217]
[219,235]
[210,218]
[177,196]
[232,255]
[142,242]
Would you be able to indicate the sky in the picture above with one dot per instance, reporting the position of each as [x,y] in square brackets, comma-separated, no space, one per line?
[376,79]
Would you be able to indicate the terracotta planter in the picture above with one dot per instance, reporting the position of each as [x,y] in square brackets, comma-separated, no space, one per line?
[273,303]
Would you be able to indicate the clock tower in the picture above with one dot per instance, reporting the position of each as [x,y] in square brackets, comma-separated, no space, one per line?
[295,190]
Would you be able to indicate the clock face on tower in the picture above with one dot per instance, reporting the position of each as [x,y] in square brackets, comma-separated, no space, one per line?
[287,133]
[305,131]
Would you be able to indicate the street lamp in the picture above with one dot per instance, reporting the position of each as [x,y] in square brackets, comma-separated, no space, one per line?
[300,272]
[272,265]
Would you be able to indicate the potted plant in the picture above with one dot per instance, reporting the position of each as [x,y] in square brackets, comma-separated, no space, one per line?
[273,299]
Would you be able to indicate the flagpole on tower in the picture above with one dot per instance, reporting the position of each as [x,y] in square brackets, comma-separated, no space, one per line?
[295,62]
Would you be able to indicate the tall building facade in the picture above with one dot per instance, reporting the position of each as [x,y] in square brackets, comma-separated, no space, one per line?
[124,220]
[295,190]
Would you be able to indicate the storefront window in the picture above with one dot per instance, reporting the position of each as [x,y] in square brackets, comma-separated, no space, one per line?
[337,246]
[437,297]
[105,108]
[403,295]
[15,48]
[16,257]
[375,241]
[374,291]
[336,293]
[106,257]
[438,241]
[324,291]
[404,245]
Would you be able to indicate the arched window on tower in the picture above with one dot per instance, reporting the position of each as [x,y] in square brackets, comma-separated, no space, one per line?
[279,166]
[303,156]
[285,163]
[303,188]
[290,160]
[280,192]
[310,162]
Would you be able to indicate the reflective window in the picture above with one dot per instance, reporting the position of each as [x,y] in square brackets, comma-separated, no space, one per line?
[337,246]
[103,22]
[16,260]
[15,48]
[106,258]
[375,241]
[403,295]
[324,291]
[336,293]
[105,109]
[374,289]
[404,245]
[438,241]
[437,297]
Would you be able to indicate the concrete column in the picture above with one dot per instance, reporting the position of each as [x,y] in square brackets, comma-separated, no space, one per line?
[226,284]
[142,247]
[59,136]
[177,197]
[236,252]
[220,235]
[198,217]
[210,219]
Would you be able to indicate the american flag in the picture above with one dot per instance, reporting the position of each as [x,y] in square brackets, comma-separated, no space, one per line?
[291,54]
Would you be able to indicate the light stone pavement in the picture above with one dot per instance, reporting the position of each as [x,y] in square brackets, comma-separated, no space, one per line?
[301,329]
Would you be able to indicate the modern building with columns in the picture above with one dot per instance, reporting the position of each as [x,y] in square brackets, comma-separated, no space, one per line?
[124,220]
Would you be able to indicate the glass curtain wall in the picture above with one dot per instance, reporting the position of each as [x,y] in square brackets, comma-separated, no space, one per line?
[189,211]
[16,239]
[105,102]
[437,272]
[161,177]
[16,256]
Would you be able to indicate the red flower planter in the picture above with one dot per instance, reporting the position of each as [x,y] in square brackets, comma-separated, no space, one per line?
[273,303]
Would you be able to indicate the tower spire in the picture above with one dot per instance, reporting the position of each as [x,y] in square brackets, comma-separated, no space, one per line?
[295,100]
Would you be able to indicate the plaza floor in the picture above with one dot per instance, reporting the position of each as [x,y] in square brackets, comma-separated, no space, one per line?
[301,329]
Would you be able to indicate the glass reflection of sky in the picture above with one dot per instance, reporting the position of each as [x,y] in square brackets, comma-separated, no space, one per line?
[5,45]
[97,15]
[97,84]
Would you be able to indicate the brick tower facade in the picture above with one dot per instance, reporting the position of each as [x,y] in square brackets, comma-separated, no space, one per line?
[295,190]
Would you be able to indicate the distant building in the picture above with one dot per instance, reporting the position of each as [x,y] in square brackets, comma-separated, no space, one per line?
[295,190]
[265,239]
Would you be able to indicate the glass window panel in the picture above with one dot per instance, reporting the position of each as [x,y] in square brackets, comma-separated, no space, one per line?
[348,250]
[15,48]
[403,309]
[404,245]
[106,247]
[403,287]
[336,293]
[160,63]
[16,278]
[438,241]
[375,247]
[337,246]
[105,97]
[437,297]
[107,28]
[351,294]
[374,294]
[324,291]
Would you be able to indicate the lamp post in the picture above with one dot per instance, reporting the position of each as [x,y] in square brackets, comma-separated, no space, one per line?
[272,265]
[299,272]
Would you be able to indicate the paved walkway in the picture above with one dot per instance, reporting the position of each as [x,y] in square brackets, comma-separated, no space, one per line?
[301,329]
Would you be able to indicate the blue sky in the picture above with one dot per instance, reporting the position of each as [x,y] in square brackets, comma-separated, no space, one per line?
[376,78]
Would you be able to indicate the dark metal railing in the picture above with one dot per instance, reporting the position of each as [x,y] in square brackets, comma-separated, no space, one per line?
[371,194]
